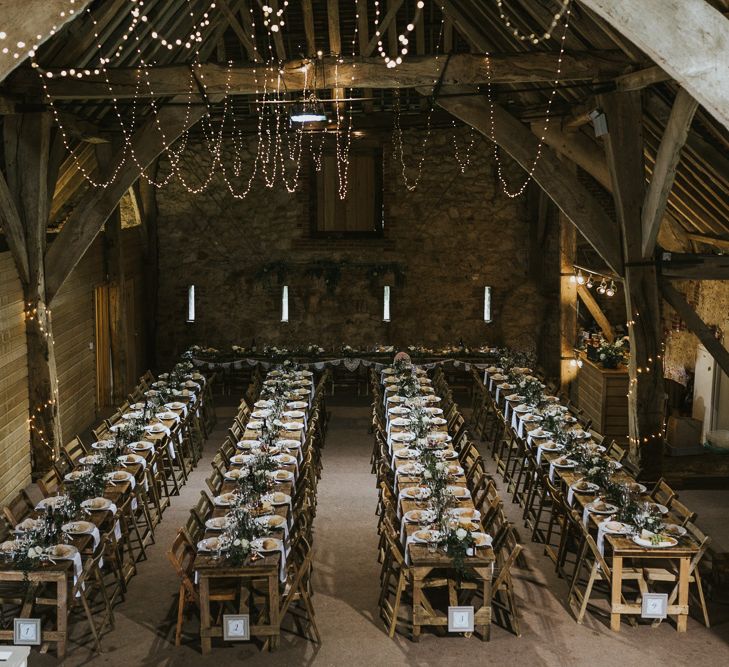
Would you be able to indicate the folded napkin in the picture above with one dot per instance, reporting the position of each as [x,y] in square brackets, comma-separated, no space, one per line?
[586,516]
[601,537]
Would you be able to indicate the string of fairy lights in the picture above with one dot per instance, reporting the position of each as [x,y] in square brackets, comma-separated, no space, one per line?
[517,192]
[280,148]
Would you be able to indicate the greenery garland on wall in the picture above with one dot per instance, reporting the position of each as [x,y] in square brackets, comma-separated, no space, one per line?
[330,272]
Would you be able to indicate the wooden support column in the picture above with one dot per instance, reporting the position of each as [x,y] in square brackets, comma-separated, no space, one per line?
[567,301]
[147,197]
[26,203]
[646,395]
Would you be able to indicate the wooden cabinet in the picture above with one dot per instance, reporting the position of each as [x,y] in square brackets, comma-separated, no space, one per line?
[603,395]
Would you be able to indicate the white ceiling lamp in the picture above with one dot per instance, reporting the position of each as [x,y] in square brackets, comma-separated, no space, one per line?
[310,110]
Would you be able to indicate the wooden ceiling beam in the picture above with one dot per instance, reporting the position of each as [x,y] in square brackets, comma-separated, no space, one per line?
[689,39]
[578,147]
[664,170]
[641,78]
[72,176]
[597,313]
[716,241]
[12,226]
[309,31]
[363,35]
[23,21]
[245,78]
[694,266]
[335,46]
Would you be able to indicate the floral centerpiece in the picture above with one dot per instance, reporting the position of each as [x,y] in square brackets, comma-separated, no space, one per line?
[458,543]
[240,530]
[531,389]
[610,355]
[31,546]
[553,417]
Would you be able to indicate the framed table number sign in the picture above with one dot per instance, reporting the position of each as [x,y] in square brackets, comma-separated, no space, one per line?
[460,619]
[27,631]
[236,627]
[655,605]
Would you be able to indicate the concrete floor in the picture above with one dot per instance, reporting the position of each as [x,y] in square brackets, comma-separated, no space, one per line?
[346,593]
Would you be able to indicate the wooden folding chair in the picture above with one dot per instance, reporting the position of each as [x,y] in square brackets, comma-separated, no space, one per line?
[670,574]
[90,581]
[598,570]
[662,493]
[215,481]
[182,557]
[18,508]
[296,598]
[682,513]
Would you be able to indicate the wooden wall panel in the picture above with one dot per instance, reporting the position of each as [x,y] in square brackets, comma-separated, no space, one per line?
[14,433]
[74,331]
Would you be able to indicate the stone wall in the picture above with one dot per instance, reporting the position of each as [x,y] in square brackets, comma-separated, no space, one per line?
[711,300]
[443,242]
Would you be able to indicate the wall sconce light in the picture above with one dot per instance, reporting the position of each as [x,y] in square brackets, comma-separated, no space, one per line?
[191,303]
[285,304]
[487,304]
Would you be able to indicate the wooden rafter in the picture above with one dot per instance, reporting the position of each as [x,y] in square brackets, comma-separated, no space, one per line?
[664,171]
[23,21]
[716,241]
[13,228]
[596,312]
[364,37]
[245,79]
[641,78]
[72,176]
[335,42]
[694,266]
[309,30]
[388,19]
[244,37]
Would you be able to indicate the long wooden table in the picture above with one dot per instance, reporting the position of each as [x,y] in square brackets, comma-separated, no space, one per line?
[622,547]
[424,564]
[257,568]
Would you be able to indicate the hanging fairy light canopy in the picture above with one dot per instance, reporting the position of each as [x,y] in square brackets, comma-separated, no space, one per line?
[282,123]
